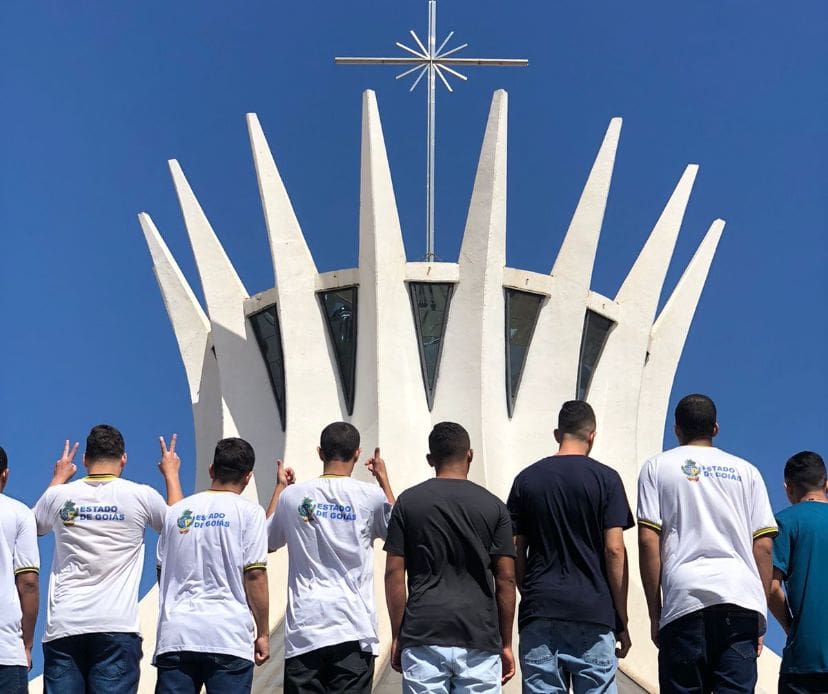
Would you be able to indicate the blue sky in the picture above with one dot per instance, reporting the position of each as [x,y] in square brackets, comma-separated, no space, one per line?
[97,97]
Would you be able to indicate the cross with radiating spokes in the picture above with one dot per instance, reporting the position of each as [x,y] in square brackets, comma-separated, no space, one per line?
[434,63]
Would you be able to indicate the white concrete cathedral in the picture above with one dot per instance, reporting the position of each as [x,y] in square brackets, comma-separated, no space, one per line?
[395,346]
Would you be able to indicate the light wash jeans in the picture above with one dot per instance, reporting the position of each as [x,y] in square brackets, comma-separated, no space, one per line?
[444,669]
[555,653]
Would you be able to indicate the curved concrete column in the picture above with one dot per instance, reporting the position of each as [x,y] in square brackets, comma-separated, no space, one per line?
[474,335]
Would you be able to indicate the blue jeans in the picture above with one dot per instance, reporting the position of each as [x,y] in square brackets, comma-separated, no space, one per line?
[555,653]
[710,650]
[185,672]
[14,679]
[444,669]
[92,664]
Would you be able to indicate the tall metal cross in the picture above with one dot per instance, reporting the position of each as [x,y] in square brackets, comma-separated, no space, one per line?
[432,61]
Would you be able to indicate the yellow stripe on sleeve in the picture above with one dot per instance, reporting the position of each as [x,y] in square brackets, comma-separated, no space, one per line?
[258,565]
[26,570]
[649,524]
[762,532]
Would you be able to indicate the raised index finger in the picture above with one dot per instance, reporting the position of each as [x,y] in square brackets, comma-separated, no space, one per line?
[376,453]
[172,443]
[66,448]
[163,445]
[73,451]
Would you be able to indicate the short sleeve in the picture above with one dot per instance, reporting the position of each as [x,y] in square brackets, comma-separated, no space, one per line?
[381,514]
[503,544]
[782,547]
[276,535]
[26,557]
[161,548]
[254,540]
[156,508]
[762,522]
[649,504]
[44,512]
[617,513]
[395,539]
[515,509]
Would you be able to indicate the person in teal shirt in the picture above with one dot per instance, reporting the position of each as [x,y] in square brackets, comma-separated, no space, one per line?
[800,559]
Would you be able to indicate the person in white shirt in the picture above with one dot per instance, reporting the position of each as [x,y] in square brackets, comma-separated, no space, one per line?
[705,540]
[212,562]
[92,643]
[19,595]
[329,525]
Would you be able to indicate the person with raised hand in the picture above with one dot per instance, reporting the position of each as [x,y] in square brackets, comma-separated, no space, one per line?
[329,525]
[92,642]
[19,593]
[453,632]
[213,594]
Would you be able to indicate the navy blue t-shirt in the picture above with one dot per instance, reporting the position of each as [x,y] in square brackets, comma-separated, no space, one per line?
[562,505]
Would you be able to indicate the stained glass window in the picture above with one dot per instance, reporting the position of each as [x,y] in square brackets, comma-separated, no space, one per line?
[266,328]
[596,331]
[340,309]
[522,310]
[430,303]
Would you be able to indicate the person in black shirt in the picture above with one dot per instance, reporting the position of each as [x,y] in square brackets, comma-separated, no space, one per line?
[454,540]
[569,513]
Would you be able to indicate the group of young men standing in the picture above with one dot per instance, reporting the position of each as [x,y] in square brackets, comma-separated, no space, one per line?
[455,555]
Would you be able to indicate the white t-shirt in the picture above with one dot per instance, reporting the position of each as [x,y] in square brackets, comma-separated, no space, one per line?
[709,507]
[209,540]
[99,524]
[329,525]
[18,554]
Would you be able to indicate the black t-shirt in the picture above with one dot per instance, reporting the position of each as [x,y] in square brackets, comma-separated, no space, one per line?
[448,531]
[562,505]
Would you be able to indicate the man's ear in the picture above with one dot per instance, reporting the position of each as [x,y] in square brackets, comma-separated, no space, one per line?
[357,453]
[123,460]
[678,432]
[715,429]
[211,472]
[591,438]
[470,456]
[85,464]
[246,479]
[319,453]
[430,460]
[557,435]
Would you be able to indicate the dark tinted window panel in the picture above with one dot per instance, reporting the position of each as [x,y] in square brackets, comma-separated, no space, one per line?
[522,309]
[430,303]
[269,336]
[596,331]
[340,309]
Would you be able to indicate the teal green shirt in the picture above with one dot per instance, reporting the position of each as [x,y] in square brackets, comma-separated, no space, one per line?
[800,552]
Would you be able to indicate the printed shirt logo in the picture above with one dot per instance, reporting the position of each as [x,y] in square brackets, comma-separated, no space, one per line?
[310,511]
[68,513]
[692,470]
[185,520]
[306,509]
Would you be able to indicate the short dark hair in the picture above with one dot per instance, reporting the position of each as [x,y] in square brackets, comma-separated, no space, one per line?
[448,441]
[696,417]
[104,442]
[233,459]
[576,418]
[805,471]
[4,460]
[339,441]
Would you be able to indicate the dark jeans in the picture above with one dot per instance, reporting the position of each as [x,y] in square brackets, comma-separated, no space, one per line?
[186,672]
[14,679]
[711,650]
[92,664]
[339,669]
[797,683]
